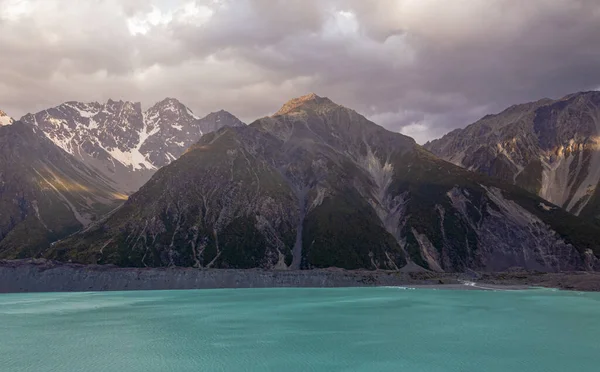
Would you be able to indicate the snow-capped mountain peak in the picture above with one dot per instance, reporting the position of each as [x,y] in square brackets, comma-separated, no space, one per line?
[118,138]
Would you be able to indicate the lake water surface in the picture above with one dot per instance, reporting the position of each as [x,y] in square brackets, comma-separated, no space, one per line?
[293,329]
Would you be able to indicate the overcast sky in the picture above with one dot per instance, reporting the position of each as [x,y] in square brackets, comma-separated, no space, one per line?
[422,67]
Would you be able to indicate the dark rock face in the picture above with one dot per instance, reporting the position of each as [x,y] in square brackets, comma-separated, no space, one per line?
[318,185]
[45,193]
[123,142]
[547,147]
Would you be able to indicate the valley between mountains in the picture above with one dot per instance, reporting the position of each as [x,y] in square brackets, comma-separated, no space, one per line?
[315,185]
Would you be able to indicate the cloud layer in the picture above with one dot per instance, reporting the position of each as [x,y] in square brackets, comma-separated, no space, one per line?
[421,67]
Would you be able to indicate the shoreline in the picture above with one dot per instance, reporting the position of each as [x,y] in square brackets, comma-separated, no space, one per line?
[32,275]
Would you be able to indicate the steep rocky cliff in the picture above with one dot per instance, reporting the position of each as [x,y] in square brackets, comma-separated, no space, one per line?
[549,147]
[319,185]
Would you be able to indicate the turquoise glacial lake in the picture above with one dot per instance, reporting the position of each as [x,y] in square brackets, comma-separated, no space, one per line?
[293,329]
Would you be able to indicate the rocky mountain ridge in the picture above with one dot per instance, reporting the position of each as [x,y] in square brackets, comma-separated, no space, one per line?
[549,147]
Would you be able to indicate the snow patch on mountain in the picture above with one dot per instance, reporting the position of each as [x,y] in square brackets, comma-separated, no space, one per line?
[133,158]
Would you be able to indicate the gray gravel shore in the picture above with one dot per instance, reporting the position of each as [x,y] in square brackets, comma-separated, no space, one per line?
[48,276]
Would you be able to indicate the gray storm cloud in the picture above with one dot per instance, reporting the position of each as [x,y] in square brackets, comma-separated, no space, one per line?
[422,67]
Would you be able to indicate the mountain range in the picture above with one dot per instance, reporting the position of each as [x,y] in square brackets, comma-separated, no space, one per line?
[122,142]
[314,185]
[319,185]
